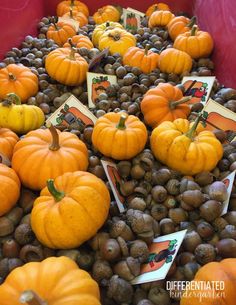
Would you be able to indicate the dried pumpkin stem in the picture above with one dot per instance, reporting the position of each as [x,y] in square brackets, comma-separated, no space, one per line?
[55,138]
[121,124]
[58,195]
[11,76]
[192,22]
[116,36]
[146,49]
[71,43]
[31,298]
[71,13]
[72,2]
[190,133]
[13,98]
[72,53]
[155,8]
[181,101]
[193,30]
[107,24]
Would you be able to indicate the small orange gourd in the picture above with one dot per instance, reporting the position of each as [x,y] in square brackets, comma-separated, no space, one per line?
[60,32]
[8,140]
[65,6]
[156,7]
[79,41]
[77,16]
[179,25]
[160,18]
[106,13]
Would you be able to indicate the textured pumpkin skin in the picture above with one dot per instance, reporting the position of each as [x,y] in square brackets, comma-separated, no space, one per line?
[101,28]
[19,80]
[156,7]
[117,40]
[21,118]
[160,18]
[65,6]
[106,13]
[34,162]
[147,61]
[57,280]
[9,188]
[119,144]
[199,45]
[156,104]
[61,32]
[174,61]
[78,16]
[72,70]
[172,147]
[224,270]
[79,41]
[8,140]
[77,217]
[178,25]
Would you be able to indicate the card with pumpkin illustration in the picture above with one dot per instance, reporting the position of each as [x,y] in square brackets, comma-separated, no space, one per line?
[199,87]
[228,181]
[97,84]
[115,182]
[132,19]
[72,111]
[219,117]
[162,253]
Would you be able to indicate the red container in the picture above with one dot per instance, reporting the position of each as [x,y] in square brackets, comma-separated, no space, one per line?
[19,18]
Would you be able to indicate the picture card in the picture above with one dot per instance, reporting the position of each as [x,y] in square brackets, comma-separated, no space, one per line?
[114,179]
[162,253]
[219,117]
[97,84]
[72,111]
[131,19]
[141,14]
[70,21]
[228,181]
[199,87]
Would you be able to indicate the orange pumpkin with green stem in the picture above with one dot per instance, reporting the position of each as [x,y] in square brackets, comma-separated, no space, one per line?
[70,210]
[160,18]
[60,32]
[164,103]
[106,13]
[179,25]
[19,80]
[119,136]
[65,6]
[77,16]
[55,280]
[79,41]
[56,153]
[196,43]
[187,148]
[144,59]
[156,7]
[8,140]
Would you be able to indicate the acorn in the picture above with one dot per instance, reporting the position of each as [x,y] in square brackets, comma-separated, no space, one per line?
[139,249]
[173,187]
[15,215]
[6,226]
[228,232]
[185,257]
[205,253]
[137,203]
[170,202]
[178,215]
[159,211]
[191,240]
[204,178]
[167,226]
[193,198]
[219,224]
[30,253]
[26,200]
[139,296]
[110,250]
[187,225]
[10,248]
[205,230]
[120,228]
[158,296]
[137,172]
[187,184]
[24,234]
[230,217]
[98,240]
[101,270]
[127,269]
[159,193]
[9,264]
[226,248]
[124,168]
[210,210]
[85,259]
[123,246]
[127,187]
[120,290]
[71,253]
[214,240]
[190,269]
[161,177]
[218,191]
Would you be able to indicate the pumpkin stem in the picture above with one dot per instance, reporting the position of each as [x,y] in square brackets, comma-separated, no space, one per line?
[72,3]
[190,133]
[155,8]
[71,43]
[13,98]
[183,100]
[55,138]
[71,13]
[11,76]
[116,36]
[100,11]
[107,24]
[58,195]
[146,49]
[31,298]
[193,30]
[192,22]
[121,124]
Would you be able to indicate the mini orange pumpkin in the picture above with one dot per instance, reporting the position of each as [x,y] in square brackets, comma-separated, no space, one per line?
[196,43]
[8,140]
[164,103]
[47,153]
[185,147]
[9,188]
[65,6]
[70,210]
[77,16]
[174,61]
[119,136]
[106,13]
[19,80]
[160,18]
[179,25]
[156,7]
[223,294]
[79,41]
[55,280]
[101,28]
[117,40]
[60,32]
[144,59]
[73,67]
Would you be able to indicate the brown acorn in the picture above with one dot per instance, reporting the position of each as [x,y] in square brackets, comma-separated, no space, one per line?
[98,240]
[10,248]
[187,185]
[127,269]
[159,211]
[120,290]
[120,228]
[123,246]
[71,253]
[210,210]
[159,295]
[139,295]
[191,240]
[161,177]
[137,203]
[230,217]
[219,224]
[173,187]
[127,187]
[101,270]
[185,257]
[167,226]
[218,191]
[26,200]
[170,202]
[85,259]
[190,269]
[193,198]
[15,215]
[24,234]
[214,240]
[7,265]
[178,215]
[137,172]
[205,230]
[226,248]
[205,253]
[6,226]
[30,253]
[139,249]
[110,250]
[159,193]
[204,178]
[124,168]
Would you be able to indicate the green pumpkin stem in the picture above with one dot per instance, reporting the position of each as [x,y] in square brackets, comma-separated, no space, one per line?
[183,100]
[121,124]
[11,76]
[57,195]
[192,22]
[31,298]
[13,99]
[55,138]
[192,130]
[193,30]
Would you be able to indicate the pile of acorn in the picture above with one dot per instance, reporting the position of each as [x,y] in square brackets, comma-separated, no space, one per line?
[159,201]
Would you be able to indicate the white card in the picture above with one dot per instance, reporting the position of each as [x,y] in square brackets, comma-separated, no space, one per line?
[228,181]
